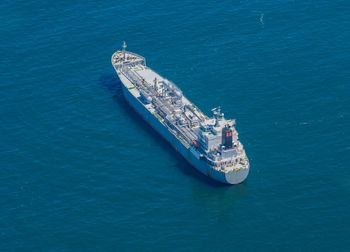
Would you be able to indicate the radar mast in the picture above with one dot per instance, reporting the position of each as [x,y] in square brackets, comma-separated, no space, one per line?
[217,115]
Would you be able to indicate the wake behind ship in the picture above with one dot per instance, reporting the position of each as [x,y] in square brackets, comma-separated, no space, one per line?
[211,145]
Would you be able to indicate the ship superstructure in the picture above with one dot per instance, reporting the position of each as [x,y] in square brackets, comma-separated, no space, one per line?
[211,145]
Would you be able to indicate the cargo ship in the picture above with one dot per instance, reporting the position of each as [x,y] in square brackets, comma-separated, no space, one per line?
[209,144]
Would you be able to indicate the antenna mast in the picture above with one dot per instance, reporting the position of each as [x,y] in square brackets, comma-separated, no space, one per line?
[217,115]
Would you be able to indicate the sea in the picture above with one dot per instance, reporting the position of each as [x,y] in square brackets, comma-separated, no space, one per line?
[81,171]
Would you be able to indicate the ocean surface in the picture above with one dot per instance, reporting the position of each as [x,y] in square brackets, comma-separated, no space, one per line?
[80,171]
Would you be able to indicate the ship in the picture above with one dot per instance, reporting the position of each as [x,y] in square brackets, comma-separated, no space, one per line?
[209,144]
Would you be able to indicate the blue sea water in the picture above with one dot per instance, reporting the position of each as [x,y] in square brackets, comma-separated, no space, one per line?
[79,170]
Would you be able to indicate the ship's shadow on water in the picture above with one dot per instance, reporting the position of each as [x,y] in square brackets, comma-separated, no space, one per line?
[112,84]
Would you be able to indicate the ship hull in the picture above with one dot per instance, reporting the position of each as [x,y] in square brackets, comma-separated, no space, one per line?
[231,177]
